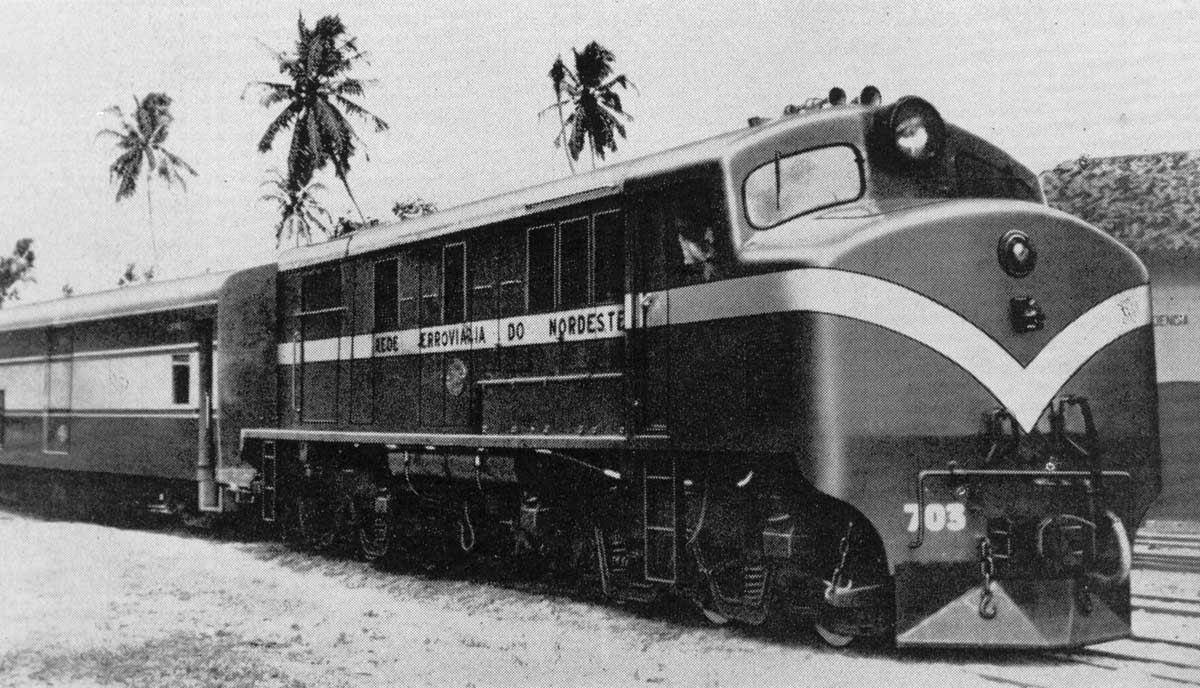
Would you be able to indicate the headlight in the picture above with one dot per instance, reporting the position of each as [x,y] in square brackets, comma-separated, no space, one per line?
[912,138]
[1016,253]
[910,131]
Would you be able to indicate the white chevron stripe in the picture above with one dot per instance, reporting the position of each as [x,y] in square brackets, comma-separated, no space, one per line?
[1024,390]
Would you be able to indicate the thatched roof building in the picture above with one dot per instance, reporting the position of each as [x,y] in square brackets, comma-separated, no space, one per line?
[1151,202]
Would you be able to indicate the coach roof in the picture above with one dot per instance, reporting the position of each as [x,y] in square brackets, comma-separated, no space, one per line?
[606,181]
[156,296]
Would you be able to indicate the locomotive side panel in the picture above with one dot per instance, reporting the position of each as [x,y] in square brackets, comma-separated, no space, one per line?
[467,334]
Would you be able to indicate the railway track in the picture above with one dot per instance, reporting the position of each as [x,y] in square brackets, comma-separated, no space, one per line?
[1167,551]
[1174,606]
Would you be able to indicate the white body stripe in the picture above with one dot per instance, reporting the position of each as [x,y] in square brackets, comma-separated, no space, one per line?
[1024,390]
[582,324]
[90,413]
[125,381]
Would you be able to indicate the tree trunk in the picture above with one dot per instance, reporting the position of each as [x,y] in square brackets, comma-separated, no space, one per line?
[150,220]
[350,193]
[562,137]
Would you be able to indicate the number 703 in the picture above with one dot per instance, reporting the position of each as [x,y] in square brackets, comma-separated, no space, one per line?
[938,517]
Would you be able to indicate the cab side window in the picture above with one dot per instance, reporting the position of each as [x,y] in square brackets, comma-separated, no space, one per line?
[689,223]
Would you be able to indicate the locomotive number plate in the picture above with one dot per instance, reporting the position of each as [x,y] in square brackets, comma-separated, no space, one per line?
[938,517]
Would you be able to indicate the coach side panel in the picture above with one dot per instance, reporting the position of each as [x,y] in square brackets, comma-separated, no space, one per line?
[113,396]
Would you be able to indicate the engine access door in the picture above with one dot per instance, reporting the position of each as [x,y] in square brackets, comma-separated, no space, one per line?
[647,307]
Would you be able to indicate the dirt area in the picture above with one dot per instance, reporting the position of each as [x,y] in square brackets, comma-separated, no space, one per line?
[89,605]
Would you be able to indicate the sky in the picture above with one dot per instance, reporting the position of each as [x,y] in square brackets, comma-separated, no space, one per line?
[461,85]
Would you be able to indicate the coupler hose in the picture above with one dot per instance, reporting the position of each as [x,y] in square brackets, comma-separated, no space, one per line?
[1125,549]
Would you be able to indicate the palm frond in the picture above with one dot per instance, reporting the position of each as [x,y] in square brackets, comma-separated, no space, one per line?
[110,132]
[279,56]
[339,136]
[302,160]
[348,87]
[619,80]
[356,109]
[125,171]
[282,121]
[178,162]
[553,106]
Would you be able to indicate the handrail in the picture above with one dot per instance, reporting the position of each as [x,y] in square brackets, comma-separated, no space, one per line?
[544,379]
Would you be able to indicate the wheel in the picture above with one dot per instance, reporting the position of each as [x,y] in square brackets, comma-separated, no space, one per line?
[313,523]
[714,617]
[374,538]
[832,638]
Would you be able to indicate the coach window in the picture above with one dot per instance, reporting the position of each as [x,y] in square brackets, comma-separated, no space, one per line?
[608,252]
[799,183]
[539,268]
[181,379]
[387,293]
[454,285]
[574,257]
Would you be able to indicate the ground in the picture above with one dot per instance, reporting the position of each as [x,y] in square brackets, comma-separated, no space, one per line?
[90,605]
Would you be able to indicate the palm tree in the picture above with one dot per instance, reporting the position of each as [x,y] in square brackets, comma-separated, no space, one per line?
[133,274]
[595,106]
[16,268]
[299,210]
[317,86]
[141,144]
[413,207]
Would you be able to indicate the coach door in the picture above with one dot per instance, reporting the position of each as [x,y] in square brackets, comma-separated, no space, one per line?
[206,446]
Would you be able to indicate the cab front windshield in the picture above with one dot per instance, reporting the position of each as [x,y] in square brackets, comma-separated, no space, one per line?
[800,183]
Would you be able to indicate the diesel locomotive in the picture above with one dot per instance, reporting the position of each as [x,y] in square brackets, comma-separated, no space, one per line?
[843,368]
